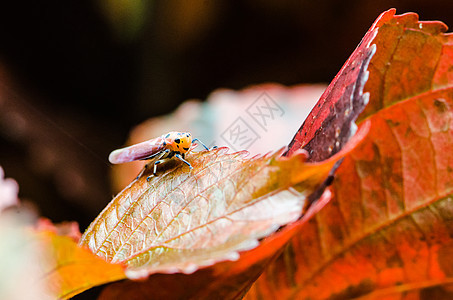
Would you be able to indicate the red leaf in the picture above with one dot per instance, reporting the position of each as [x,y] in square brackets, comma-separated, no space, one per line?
[331,123]
[387,233]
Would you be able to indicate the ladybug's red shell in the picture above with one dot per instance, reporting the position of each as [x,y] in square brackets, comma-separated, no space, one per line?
[178,141]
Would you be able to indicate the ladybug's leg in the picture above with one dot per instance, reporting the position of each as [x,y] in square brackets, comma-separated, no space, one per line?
[178,156]
[201,143]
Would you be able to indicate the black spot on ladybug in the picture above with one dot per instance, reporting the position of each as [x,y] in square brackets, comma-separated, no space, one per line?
[177,146]
[177,141]
[186,148]
[168,135]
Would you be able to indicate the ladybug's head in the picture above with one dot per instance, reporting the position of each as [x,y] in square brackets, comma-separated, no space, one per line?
[178,141]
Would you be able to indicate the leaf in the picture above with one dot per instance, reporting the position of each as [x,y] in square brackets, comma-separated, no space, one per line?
[225,280]
[69,269]
[68,229]
[387,232]
[181,220]
[331,123]
[44,262]
[130,229]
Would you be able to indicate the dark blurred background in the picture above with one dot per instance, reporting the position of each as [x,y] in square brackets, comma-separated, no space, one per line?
[75,76]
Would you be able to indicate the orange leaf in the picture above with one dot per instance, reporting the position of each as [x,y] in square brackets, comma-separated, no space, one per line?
[69,269]
[181,220]
[387,233]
